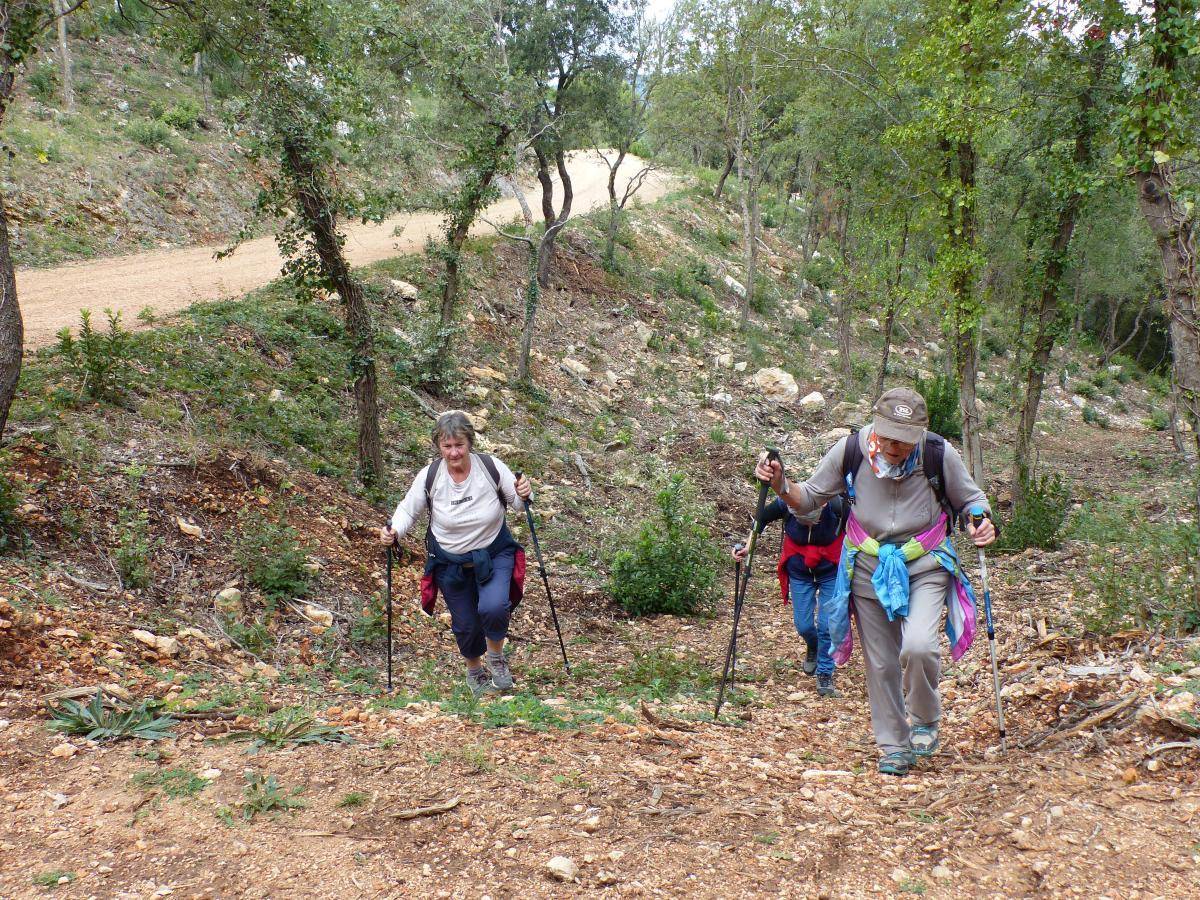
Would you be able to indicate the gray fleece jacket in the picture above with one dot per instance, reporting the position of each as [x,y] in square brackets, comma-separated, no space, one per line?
[890,510]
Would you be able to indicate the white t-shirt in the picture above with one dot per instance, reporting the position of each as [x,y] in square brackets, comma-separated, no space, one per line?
[466,516]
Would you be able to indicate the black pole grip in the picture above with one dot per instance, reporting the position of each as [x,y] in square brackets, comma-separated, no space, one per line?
[772,455]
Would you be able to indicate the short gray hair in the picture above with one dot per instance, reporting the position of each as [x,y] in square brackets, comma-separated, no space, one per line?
[453,424]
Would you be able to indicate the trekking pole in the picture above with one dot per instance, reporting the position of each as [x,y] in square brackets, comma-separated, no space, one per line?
[731,651]
[976,520]
[389,614]
[537,549]
[740,590]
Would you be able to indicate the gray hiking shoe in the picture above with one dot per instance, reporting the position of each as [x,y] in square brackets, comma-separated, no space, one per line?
[898,762]
[825,687]
[810,660]
[502,676]
[925,739]
[480,682]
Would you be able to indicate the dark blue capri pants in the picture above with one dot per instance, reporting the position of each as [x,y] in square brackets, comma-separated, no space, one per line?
[479,611]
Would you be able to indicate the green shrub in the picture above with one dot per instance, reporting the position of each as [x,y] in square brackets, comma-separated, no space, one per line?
[134,546]
[97,722]
[10,500]
[270,554]
[941,398]
[1093,416]
[43,82]
[150,133]
[821,271]
[1158,420]
[1148,579]
[1085,390]
[102,362]
[669,565]
[1037,520]
[263,795]
[182,116]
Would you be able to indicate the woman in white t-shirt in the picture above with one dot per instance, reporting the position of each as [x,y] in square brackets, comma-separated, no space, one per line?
[473,559]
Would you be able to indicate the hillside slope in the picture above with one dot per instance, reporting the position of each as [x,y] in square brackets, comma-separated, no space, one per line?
[231,432]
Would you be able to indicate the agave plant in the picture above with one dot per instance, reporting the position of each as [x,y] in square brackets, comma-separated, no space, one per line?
[291,726]
[100,723]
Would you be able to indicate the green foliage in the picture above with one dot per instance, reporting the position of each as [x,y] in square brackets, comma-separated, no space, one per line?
[1093,416]
[941,398]
[1158,420]
[183,115]
[99,723]
[10,500]
[172,783]
[1143,573]
[53,878]
[663,673]
[270,553]
[43,82]
[821,272]
[291,726]
[669,564]
[101,361]
[150,133]
[134,547]
[1037,521]
[264,795]
[352,799]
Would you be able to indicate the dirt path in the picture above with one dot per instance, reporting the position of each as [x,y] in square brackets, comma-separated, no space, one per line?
[167,281]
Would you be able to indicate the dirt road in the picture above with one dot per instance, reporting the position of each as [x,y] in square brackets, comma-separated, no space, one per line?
[167,281]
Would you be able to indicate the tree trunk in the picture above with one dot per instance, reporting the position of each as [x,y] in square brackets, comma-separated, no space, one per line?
[1174,232]
[614,213]
[749,198]
[555,222]
[532,294]
[64,56]
[893,308]
[729,160]
[310,190]
[12,326]
[966,328]
[845,306]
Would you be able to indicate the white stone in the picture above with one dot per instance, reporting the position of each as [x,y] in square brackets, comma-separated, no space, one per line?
[405,290]
[799,312]
[724,360]
[933,347]
[575,366]
[776,384]
[189,528]
[736,286]
[721,398]
[229,601]
[168,646]
[815,400]
[275,396]
[739,366]
[643,331]
[941,872]
[64,751]
[873,324]
[563,868]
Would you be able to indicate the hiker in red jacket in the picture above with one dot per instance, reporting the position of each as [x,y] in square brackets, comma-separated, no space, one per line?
[473,559]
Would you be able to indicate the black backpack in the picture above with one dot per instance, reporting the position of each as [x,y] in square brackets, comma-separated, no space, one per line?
[932,459]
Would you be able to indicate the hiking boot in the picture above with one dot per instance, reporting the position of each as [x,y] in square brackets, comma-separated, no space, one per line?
[825,687]
[480,682]
[925,739]
[810,660]
[501,674]
[898,762]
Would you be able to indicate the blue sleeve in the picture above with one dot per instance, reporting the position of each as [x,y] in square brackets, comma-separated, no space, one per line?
[772,512]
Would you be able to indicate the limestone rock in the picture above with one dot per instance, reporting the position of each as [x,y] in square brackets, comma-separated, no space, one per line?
[736,286]
[486,373]
[833,435]
[576,367]
[644,332]
[813,401]
[190,529]
[406,291]
[776,384]
[562,868]
[168,646]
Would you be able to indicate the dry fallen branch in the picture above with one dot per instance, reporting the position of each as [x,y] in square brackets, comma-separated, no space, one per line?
[664,721]
[419,811]
[1090,722]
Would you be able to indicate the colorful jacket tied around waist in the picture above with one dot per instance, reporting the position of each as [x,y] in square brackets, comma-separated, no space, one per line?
[476,565]
[890,580]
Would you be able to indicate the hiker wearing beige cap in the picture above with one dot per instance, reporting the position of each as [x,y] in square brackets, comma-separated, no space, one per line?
[898,569]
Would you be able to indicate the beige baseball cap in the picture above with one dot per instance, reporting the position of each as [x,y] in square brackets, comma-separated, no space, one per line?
[901,414]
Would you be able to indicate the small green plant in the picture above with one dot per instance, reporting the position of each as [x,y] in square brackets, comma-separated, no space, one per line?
[53,878]
[134,546]
[941,399]
[10,500]
[270,553]
[43,82]
[172,783]
[912,886]
[767,837]
[1093,416]
[101,361]
[97,722]
[1037,520]
[182,116]
[150,133]
[264,795]
[718,435]
[291,726]
[352,799]
[670,563]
